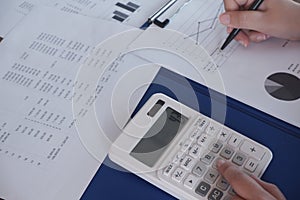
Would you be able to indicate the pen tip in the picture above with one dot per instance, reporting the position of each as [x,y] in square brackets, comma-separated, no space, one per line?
[223,46]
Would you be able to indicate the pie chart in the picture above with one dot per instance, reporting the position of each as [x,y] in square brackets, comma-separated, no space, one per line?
[283,86]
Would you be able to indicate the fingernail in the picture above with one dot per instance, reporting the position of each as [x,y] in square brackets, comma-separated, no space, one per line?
[261,37]
[243,43]
[220,162]
[229,29]
[225,19]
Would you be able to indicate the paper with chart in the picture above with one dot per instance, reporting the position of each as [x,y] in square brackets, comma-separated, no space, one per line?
[41,154]
[134,76]
[129,12]
[265,75]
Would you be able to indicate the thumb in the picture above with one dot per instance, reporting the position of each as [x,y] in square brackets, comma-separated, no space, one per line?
[251,20]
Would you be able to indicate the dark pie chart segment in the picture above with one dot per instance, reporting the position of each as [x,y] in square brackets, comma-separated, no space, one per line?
[283,86]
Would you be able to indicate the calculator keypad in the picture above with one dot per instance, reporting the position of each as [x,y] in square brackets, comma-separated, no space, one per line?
[193,167]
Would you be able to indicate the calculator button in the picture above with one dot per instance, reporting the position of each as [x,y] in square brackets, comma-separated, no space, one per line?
[234,141]
[222,184]
[224,134]
[168,170]
[208,158]
[251,165]
[204,140]
[191,181]
[252,150]
[227,153]
[203,124]
[216,147]
[179,175]
[199,169]
[188,163]
[202,189]
[215,194]
[195,151]
[239,159]
[211,176]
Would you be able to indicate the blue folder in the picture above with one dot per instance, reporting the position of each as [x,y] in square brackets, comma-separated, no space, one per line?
[282,138]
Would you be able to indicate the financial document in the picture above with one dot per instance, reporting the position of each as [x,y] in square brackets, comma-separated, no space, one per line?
[40,64]
[11,12]
[128,80]
[40,149]
[264,75]
[129,12]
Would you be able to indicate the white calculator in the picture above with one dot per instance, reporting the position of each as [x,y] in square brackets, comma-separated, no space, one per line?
[176,148]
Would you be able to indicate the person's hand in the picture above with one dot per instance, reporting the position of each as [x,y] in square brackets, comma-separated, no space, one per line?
[277,18]
[246,186]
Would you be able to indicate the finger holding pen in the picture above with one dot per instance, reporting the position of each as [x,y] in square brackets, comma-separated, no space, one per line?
[277,18]
[238,16]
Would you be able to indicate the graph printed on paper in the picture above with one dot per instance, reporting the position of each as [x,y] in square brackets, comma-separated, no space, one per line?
[199,22]
[123,10]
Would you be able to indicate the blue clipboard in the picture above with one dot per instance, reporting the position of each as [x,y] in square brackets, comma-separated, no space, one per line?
[282,138]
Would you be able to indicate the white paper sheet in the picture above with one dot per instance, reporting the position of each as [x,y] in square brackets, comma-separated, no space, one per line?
[41,154]
[118,99]
[39,62]
[248,74]
[11,12]
[129,12]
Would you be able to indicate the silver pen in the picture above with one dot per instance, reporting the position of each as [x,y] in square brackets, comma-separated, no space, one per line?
[163,9]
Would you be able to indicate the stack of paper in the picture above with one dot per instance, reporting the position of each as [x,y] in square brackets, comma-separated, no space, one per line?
[42,156]
[44,153]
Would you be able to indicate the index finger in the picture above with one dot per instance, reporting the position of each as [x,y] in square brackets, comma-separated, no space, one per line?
[243,184]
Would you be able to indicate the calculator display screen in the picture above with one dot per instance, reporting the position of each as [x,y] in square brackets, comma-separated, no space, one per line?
[158,137]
